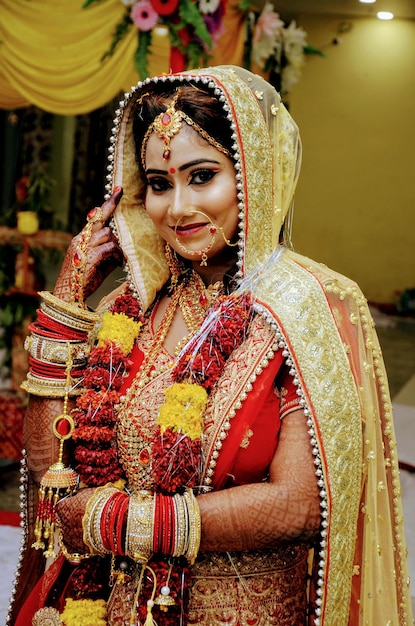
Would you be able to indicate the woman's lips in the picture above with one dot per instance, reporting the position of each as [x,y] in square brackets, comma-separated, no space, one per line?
[189,229]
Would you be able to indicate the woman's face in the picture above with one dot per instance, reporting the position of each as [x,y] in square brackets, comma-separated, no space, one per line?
[192,195]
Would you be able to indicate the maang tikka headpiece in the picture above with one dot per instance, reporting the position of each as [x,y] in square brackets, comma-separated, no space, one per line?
[167,124]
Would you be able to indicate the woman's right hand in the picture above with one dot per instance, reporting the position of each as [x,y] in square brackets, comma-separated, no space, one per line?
[103,254]
[70,513]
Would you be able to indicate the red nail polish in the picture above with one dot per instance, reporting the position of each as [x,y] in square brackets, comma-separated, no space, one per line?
[116,190]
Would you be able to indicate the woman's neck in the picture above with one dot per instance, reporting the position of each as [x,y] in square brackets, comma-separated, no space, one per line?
[215,270]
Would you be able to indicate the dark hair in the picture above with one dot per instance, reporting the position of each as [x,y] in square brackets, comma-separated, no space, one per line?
[198,104]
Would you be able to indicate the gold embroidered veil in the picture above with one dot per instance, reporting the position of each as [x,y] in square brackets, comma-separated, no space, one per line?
[360,572]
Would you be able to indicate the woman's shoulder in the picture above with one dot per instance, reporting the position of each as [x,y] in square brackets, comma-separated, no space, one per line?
[325,275]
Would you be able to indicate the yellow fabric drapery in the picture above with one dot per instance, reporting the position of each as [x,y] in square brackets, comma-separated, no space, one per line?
[51,50]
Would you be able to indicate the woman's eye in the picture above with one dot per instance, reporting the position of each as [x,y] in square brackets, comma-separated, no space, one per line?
[158,184]
[200,177]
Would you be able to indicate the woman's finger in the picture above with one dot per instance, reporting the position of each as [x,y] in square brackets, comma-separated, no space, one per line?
[109,206]
[99,215]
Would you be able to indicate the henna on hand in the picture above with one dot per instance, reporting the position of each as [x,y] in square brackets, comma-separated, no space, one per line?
[41,444]
[103,254]
[70,512]
[260,516]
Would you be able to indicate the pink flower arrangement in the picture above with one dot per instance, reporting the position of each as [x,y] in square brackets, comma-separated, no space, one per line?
[193,27]
[143,15]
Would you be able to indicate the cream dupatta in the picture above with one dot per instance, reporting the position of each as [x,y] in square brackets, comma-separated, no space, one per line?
[361,573]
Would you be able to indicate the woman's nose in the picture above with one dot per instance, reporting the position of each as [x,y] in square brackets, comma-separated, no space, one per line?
[179,203]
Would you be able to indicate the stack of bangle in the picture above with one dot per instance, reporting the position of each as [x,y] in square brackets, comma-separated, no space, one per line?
[142,524]
[177,525]
[102,523]
[59,336]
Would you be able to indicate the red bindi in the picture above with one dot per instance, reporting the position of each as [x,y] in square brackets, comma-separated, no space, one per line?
[172,170]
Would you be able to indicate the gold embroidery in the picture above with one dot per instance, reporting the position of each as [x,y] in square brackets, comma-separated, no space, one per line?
[245,440]
[46,617]
[241,588]
[136,420]
[249,588]
[232,388]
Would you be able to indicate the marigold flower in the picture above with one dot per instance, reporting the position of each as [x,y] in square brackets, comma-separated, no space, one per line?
[86,612]
[108,355]
[183,409]
[93,434]
[120,329]
[128,304]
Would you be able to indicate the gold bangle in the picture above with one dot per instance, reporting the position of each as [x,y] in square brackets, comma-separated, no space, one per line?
[66,319]
[92,519]
[68,313]
[181,525]
[194,534]
[140,525]
[55,351]
[50,387]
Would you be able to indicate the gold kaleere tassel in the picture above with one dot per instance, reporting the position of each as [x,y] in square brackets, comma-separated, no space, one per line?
[57,482]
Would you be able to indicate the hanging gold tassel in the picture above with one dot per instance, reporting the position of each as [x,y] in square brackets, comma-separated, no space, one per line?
[150,603]
[150,621]
[57,482]
[164,599]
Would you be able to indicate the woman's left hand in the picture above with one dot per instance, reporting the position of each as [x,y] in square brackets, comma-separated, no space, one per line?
[70,512]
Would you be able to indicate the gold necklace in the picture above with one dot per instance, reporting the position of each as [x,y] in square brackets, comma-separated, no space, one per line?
[194,299]
[194,302]
[144,373]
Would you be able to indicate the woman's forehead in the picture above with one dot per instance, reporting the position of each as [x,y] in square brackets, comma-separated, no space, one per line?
[185,145]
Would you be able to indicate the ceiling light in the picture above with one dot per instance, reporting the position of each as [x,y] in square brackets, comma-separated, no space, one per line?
[367,1]
[384,15]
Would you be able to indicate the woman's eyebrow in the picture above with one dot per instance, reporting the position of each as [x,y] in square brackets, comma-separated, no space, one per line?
[183,167]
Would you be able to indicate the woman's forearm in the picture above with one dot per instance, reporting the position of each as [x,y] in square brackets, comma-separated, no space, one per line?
[256,516]
[40,443]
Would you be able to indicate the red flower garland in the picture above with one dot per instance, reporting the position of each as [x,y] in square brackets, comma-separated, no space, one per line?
[95,415]
[176,457]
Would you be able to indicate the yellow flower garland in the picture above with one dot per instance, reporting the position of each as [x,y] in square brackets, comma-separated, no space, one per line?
[85,612]
[183,410]
[120,329]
